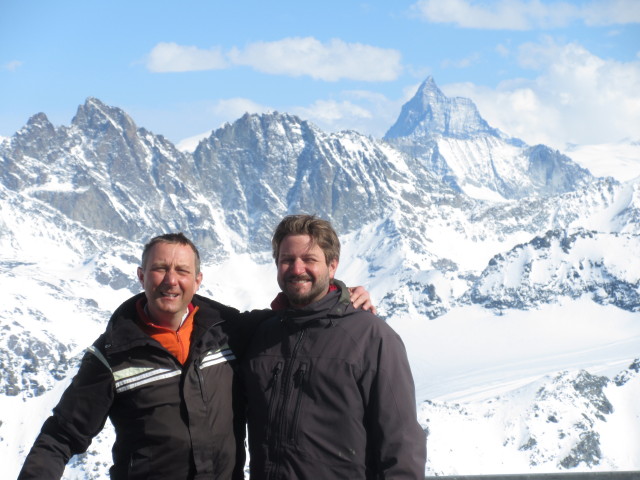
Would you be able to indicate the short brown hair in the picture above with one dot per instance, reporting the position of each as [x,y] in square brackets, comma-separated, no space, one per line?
[178,238]
[320,231]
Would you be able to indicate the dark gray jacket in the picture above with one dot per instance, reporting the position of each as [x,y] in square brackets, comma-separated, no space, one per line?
[330,396]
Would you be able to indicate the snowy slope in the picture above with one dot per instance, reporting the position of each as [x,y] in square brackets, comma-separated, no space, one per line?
[571,420]
[450,138]
[515,285]
[618,160]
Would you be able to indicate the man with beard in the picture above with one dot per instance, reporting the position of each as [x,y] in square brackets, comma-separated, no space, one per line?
[164,373]
[329,388]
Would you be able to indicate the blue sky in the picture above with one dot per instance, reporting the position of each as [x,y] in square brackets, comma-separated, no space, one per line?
[553,72]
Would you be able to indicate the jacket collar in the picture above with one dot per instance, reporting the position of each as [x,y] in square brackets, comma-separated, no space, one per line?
[328,309]
[123,332]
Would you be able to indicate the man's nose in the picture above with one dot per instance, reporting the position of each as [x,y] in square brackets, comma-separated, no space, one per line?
[170,277]
[298,267]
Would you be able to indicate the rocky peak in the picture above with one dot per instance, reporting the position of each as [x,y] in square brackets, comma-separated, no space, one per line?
[259,131]
[35,135]
[430,114]
[96,117]
[39,124]
[277,163]
[554,172]
[450,138]
[626,375]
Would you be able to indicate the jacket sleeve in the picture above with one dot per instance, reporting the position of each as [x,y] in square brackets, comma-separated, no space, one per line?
[79,416]
[399,442]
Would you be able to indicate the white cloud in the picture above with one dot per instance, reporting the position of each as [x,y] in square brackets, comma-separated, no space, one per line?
[611,12]
[576,98]
[526,14]
[191,143]
[295,57]
[231,109]
[366,112]
[331,111]
[171,57]
[466,62]
[503,50]
[332,61]
[12,66]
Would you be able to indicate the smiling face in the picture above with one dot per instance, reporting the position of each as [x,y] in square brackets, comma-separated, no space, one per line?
[303,273]
[169,280]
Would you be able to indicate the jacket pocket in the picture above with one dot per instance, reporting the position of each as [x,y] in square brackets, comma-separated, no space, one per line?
[274,383]
[140,463]
[299,379]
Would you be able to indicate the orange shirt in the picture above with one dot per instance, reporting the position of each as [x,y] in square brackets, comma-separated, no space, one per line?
[177,342]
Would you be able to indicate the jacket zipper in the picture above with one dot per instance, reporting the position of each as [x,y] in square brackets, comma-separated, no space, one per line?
[196,367]
[282,421]
[298,381]
[273,384]
[197,357]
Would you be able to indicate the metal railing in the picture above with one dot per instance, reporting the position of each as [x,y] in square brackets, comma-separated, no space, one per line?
[635,475]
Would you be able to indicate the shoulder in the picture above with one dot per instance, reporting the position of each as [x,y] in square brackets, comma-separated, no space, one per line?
[362,324]
[258,315]
[364,319]
[212,308]
[94,358]
[98,344]
[237,327]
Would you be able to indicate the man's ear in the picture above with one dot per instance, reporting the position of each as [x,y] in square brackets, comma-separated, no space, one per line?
[198,280]
[141,276]
[333,266]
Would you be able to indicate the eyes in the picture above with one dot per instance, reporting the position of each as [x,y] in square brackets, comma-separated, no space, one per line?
[163,269]
[311,260]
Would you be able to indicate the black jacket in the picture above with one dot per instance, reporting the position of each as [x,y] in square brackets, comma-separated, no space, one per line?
[330,396]
[172,421]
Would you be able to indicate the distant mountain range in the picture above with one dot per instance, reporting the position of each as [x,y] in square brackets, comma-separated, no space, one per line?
[443,212]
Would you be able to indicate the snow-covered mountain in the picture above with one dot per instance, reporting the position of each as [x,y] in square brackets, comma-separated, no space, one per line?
[449,137]
[465,237]
[566,420]
[620,160]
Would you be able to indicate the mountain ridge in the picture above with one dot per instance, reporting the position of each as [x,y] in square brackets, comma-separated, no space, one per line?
[423,225]
[430,113]
[451,138]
